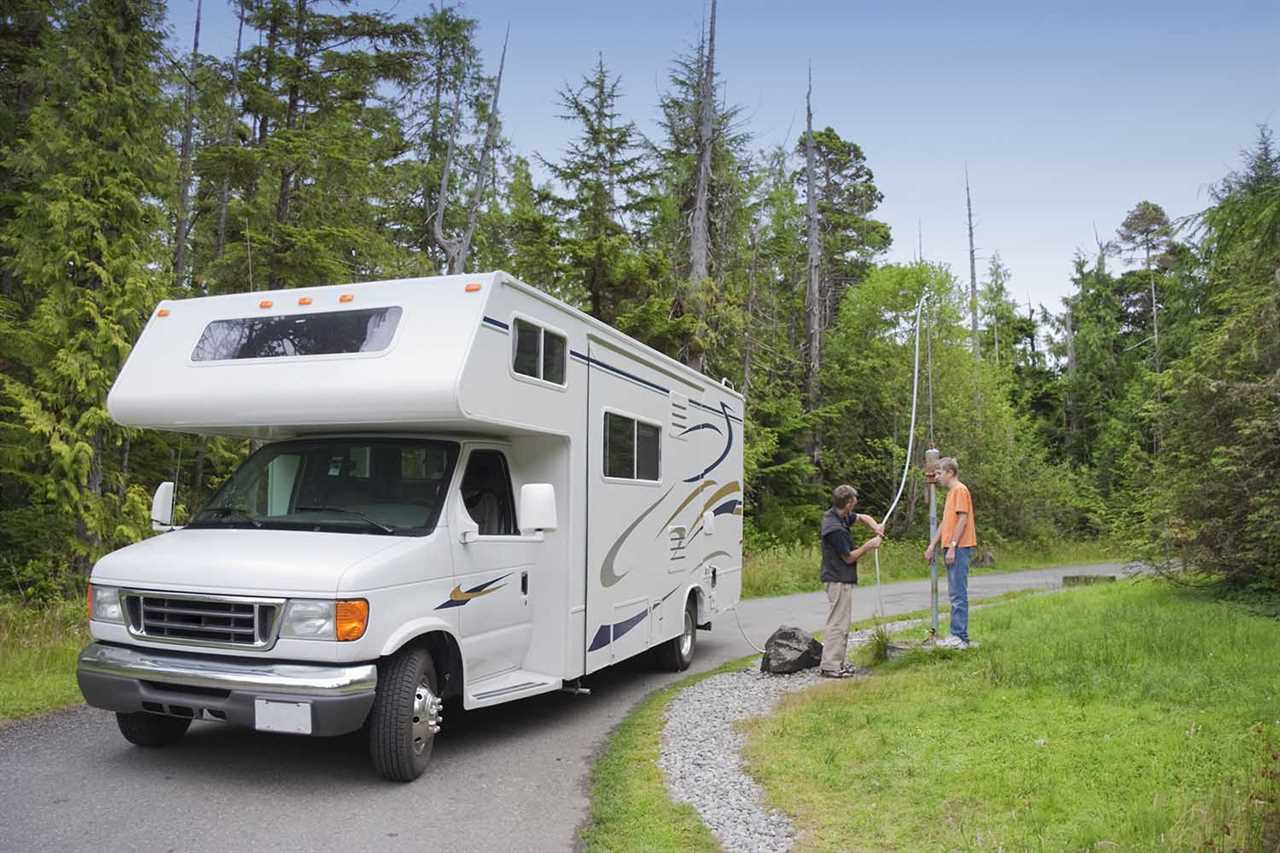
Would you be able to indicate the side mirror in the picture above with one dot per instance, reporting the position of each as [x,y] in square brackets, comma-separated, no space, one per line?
[162,507]
[537,506]
[709,523]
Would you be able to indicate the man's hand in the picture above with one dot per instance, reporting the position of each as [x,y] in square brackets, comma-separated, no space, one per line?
[873,543]
[950,556]
[878,528]
[928,554]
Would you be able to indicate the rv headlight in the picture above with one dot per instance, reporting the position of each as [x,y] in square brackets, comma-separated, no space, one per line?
[104,604]
[308,619]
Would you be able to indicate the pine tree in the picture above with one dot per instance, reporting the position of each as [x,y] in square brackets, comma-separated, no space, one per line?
[606,179]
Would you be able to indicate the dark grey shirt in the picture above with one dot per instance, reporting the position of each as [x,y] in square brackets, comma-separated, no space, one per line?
[837,542]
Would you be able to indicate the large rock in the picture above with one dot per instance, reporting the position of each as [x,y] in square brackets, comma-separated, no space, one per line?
[790,649]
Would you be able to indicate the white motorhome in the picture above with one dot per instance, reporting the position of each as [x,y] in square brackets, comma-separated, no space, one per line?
[466,489]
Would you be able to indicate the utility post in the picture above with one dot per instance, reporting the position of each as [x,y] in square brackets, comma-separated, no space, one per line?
[931,457]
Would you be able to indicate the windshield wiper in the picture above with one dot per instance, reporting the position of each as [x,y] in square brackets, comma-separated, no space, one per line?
[385,528]
[226,511]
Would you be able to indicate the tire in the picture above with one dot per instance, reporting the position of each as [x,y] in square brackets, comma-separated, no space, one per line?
[144,729]
[676,654]
[405,715]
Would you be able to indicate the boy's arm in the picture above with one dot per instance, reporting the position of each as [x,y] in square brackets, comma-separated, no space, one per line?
[962,518]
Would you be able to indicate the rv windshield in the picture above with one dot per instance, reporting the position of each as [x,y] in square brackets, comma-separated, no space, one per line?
[380,486]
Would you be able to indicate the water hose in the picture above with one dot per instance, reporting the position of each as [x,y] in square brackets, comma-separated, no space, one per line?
[911,435]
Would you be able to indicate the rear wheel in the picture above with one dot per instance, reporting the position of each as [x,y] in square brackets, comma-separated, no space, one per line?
[677,653]
[144,729]
[405,715]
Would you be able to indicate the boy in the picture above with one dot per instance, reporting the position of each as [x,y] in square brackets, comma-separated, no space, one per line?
[960,536]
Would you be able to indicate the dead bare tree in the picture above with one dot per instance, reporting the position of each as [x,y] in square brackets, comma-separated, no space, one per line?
[183,214]
[457,249]
[813,294]
[973,270]
[699,248]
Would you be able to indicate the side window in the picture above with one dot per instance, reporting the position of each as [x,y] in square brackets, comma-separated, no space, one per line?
[539,353]
[632,449]
[486,493]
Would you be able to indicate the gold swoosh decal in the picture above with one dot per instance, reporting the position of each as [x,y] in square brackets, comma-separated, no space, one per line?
[458,595]
[703,486]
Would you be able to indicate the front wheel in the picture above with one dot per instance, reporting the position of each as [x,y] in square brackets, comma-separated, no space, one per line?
[676,654]
[145,729]
[405,715]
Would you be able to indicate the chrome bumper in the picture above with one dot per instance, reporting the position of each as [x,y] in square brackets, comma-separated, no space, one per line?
[294,679]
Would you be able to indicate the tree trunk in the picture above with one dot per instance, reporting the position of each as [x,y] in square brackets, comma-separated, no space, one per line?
[458,264]
[183,215]
[973,271]
[699,237]
[224,192]
[291,122]
[813,295]
[748,336]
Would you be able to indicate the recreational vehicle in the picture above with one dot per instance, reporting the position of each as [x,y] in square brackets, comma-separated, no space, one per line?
[465,489]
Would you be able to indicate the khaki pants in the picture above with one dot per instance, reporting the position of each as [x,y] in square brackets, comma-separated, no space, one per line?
[835,637]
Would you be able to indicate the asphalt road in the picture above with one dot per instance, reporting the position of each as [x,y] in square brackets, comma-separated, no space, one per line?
[509,778]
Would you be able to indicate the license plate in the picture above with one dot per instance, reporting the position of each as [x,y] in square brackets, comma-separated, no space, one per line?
[290,717]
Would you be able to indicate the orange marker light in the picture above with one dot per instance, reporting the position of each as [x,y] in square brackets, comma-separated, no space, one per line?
[163,312]
[351,617]
[304,300]
[346,297]
[473,287]
[266,303]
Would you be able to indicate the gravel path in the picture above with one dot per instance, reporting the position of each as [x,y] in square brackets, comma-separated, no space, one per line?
[701,752]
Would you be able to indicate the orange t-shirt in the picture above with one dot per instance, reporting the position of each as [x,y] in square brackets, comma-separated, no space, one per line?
[958,500]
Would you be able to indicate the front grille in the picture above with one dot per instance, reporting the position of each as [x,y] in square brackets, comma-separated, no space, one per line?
[203,620]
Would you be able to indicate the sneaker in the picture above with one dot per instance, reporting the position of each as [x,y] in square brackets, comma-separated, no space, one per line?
[839,673]
[951,642]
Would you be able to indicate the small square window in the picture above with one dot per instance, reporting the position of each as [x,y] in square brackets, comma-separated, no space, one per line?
[539,353]
[632,450]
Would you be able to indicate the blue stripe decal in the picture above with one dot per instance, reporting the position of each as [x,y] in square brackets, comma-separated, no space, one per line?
[601,638]
[727,507]
[497,324]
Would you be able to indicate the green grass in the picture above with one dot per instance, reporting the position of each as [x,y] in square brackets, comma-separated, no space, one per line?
[630,809]
[786,570]
[1131,716]
[38,648]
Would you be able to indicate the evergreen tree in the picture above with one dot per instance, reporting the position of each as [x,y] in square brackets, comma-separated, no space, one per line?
[606,180]
[84,237]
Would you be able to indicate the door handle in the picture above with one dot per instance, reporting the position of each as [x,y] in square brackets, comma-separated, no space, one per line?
[524,583]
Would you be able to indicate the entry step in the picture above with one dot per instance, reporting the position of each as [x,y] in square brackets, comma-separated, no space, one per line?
[510,685]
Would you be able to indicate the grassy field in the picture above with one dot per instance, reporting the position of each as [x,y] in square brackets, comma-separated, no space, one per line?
[38,648]
[630,809]
[1131,716]
[783,570]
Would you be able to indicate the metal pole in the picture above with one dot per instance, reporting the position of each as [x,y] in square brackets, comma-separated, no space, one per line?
[931,457]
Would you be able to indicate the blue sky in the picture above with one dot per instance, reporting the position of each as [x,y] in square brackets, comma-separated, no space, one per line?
[1066,114]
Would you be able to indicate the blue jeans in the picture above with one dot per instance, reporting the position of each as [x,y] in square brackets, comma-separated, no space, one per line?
[958,587]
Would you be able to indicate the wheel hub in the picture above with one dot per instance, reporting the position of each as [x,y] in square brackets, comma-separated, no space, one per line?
[686,639]
[426,716]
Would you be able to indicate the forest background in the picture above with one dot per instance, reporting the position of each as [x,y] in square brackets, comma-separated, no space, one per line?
[341,145]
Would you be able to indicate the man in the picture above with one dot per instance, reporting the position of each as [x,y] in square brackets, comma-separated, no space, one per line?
[960,535]
[839,574]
